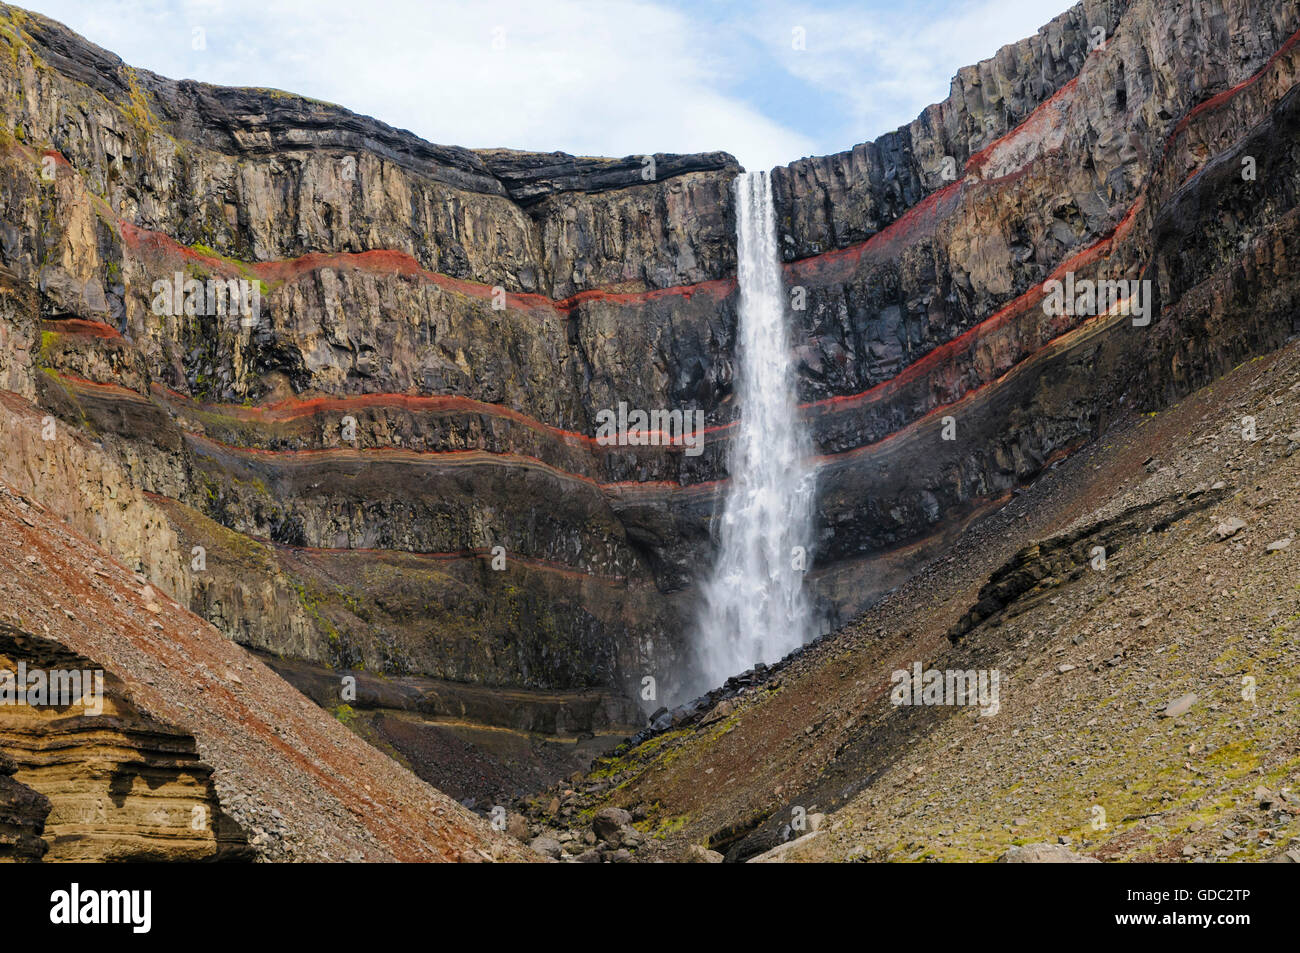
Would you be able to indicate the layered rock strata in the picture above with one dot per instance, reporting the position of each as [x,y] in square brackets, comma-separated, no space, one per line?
[438,329]
[192,748]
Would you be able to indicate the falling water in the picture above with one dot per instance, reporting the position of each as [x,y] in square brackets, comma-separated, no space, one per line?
[754,607]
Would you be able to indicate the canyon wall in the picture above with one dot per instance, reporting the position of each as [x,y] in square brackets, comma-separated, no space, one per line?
[1168,158]
[437,329]
[393,468]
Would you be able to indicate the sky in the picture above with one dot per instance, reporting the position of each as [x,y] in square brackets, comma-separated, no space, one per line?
[767,81]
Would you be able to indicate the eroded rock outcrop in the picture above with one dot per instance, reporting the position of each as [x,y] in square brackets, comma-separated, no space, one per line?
[120,785]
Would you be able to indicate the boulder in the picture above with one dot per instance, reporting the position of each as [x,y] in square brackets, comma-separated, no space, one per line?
[1179,706]
[697,854]
[1230,527]
[1044,854]
[517,827]
[720,711]
[546,846]
[608,823]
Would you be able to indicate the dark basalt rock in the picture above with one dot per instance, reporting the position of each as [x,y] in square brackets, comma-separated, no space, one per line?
[829,202]
[530,176]
[473,421]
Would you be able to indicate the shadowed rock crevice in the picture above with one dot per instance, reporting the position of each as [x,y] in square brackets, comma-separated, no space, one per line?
[1038,569]
[22,817]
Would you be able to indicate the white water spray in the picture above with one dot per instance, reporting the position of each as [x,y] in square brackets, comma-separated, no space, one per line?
[754,608]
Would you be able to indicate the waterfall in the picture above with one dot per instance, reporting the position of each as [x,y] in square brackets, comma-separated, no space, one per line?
[754,608]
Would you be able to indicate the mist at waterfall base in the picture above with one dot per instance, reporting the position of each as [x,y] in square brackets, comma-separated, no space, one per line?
[753,605]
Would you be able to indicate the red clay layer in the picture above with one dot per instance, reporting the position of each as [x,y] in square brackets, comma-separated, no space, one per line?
[975,164]
[291,409]
[83,328]
[999,319]
[1214,102]
[926,212]
[390,262]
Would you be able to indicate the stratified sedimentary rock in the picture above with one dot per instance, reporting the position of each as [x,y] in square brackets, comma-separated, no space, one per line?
[393,466]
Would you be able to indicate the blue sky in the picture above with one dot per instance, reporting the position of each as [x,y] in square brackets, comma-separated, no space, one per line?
[591,77]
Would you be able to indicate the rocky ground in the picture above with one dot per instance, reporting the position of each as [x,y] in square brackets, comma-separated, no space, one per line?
[479,765]
[1148,709]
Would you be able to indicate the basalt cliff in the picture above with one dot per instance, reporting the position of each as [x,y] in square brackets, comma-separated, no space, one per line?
[390,474]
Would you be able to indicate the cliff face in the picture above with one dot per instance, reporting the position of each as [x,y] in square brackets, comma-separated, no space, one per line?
[831,202]
[1168,157]
[1112,692]
[438,328]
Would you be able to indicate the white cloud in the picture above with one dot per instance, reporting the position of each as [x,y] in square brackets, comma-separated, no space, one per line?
[884,63]
[616,78]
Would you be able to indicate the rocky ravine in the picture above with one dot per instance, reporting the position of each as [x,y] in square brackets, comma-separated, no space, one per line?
[331,485]
[1146,709]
